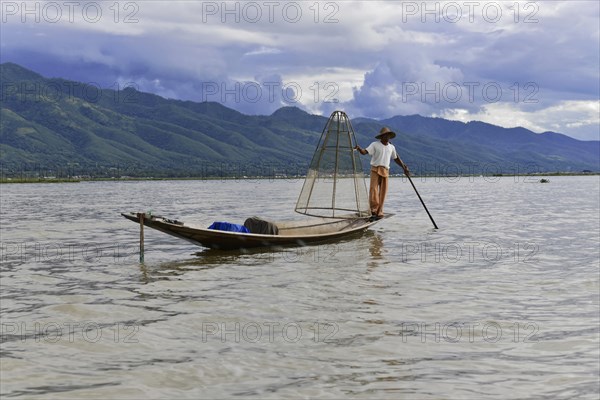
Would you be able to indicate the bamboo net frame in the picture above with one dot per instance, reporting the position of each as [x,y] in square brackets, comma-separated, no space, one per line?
[335,184]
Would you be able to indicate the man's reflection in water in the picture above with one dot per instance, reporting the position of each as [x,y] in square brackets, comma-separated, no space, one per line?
[375,249]
[375,245]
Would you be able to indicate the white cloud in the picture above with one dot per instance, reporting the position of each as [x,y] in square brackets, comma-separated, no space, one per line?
[580,118]
[262,50]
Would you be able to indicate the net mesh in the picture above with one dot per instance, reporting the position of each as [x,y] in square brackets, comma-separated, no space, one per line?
[335,182]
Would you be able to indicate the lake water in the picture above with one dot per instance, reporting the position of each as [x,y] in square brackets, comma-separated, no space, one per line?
[501,302]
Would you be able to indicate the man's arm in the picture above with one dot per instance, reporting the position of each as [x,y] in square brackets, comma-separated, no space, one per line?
[401,164]
[361,150]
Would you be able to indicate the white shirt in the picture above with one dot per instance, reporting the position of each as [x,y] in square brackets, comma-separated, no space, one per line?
[381,154]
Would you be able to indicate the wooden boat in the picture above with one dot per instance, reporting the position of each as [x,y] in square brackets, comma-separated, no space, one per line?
[334,195]
[299,233]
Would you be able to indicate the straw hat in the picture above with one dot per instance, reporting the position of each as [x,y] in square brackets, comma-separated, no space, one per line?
[385,130]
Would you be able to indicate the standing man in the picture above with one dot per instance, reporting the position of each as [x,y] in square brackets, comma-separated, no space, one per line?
[381,153]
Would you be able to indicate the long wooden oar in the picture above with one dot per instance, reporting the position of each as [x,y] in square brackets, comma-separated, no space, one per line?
[417,192]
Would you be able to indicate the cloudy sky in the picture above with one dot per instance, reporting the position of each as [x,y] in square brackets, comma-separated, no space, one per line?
[533,64]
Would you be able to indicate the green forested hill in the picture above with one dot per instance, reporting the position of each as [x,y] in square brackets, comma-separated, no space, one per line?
[58,126]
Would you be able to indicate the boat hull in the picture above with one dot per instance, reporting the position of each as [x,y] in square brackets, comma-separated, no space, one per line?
[291,233]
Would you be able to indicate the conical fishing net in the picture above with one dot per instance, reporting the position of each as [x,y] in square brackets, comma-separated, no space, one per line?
[335,183]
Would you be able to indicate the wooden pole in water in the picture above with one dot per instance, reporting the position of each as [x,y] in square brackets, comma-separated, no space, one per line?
[422,202]
[141,217]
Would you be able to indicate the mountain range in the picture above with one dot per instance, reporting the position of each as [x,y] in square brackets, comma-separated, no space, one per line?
[54,126]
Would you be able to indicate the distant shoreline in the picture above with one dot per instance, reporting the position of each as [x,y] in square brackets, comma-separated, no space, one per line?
[249,178]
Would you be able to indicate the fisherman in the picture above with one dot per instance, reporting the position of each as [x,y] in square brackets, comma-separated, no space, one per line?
[381,153]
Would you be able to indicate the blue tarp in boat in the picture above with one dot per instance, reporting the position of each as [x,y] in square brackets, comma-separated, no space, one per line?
[229,227]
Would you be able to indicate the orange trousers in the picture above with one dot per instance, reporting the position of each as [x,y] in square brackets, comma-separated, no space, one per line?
[378,189]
